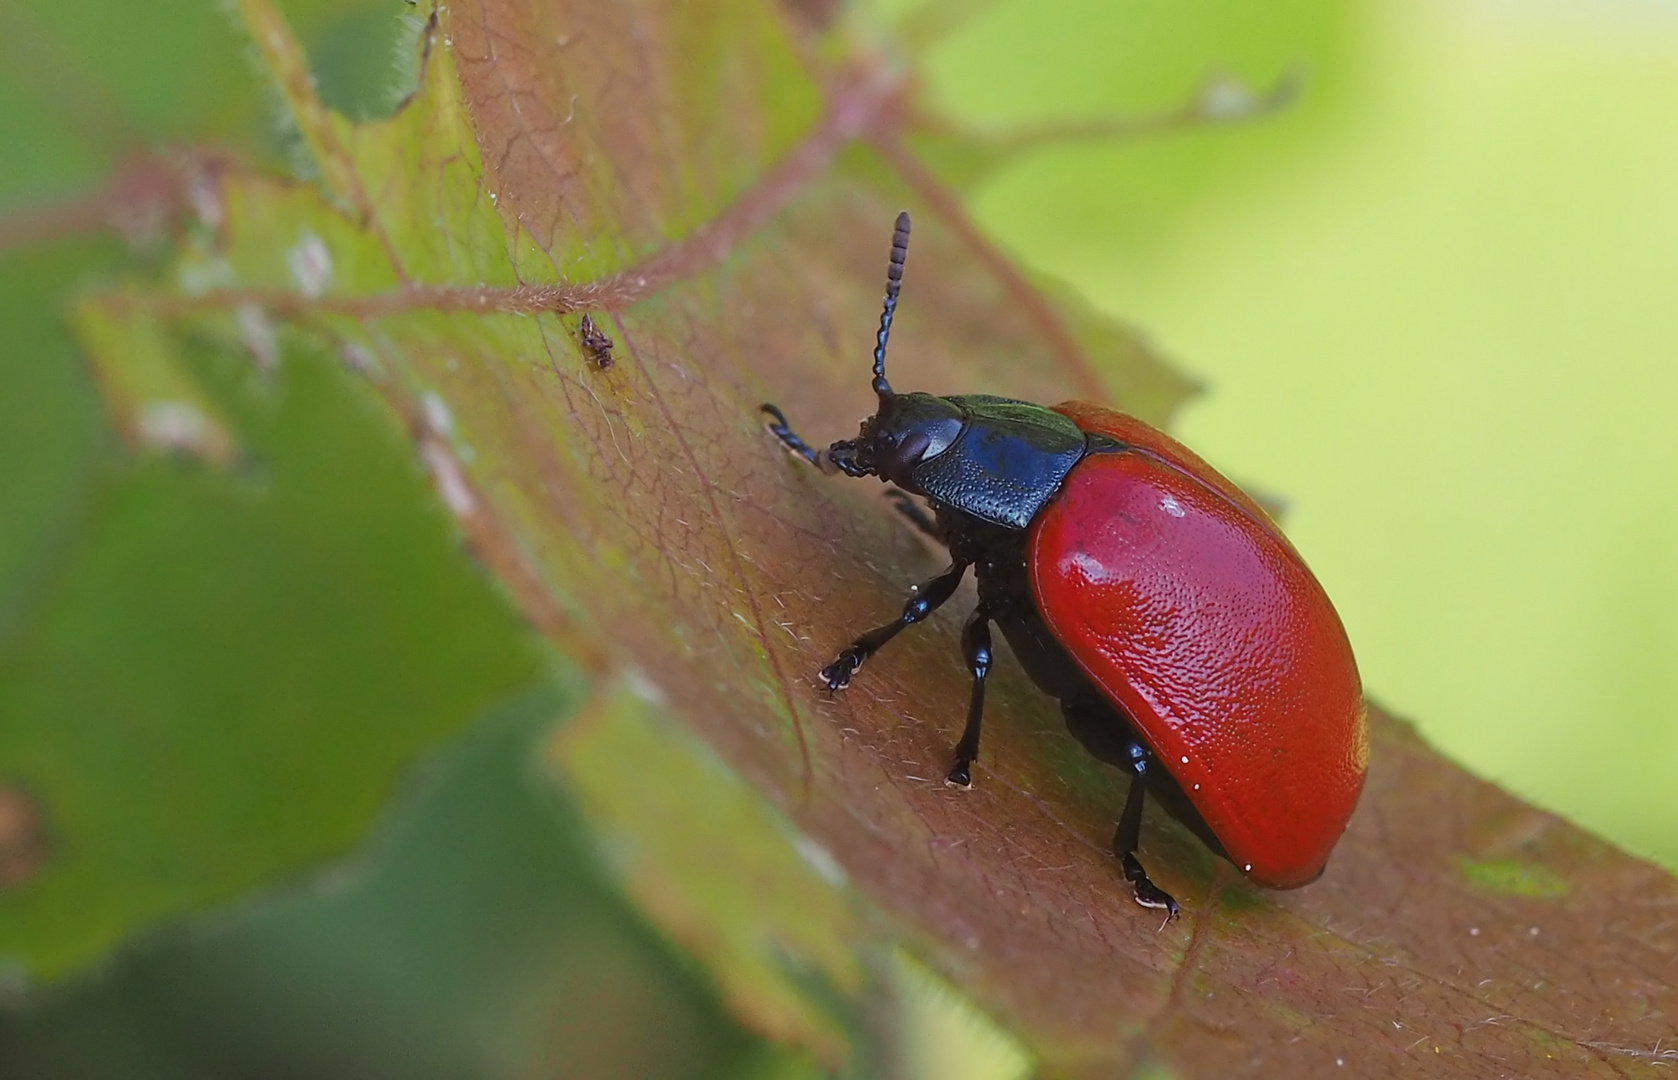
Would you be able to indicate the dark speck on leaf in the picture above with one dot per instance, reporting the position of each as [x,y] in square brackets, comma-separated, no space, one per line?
[598,345]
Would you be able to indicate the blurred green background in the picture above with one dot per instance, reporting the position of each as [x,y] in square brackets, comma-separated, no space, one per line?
[1431,304]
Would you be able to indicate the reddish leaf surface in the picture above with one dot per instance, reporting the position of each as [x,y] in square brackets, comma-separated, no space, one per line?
[1396,958]
[715,184]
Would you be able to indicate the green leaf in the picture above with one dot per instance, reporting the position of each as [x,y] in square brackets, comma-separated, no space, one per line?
[49,427]
[472,931]
[175,763]
[780,918]
[153,401]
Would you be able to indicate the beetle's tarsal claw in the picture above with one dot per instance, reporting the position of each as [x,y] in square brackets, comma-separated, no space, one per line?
[779,427]
[1148,894]
[837,675]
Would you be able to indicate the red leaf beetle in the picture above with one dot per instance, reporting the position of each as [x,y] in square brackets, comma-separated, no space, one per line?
[1185,639]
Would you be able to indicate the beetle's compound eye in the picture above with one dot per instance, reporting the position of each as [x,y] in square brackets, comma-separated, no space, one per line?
[939,434]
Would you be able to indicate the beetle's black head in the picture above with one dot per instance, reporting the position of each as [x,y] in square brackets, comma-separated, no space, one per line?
[994,459]
[908,429]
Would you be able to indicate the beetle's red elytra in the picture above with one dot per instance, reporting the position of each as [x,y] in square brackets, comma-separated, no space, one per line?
[1184,637]
[1177,596]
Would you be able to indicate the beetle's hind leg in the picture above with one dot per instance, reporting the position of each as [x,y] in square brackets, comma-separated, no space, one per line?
[1106,733]
[926,599]
[1129,834]
[975,648]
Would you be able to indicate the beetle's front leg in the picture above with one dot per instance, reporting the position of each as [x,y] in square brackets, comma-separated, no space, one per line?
[779,427]
[926,599]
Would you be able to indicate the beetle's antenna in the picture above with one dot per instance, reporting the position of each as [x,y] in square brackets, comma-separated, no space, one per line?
[894,282]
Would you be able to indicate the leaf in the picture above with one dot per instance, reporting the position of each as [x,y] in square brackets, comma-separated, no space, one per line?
[779,916]
[713,184]
[223,675]
[85,86]
[154,402]
[470,931]
[48,429]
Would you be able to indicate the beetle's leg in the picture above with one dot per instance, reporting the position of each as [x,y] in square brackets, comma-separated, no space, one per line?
[916,513]
[1129,835]
[783,431]
[926,599]
[975,647]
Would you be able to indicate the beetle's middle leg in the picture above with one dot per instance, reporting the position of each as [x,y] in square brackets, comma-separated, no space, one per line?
[975,648]
[926,599]
[916,514]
